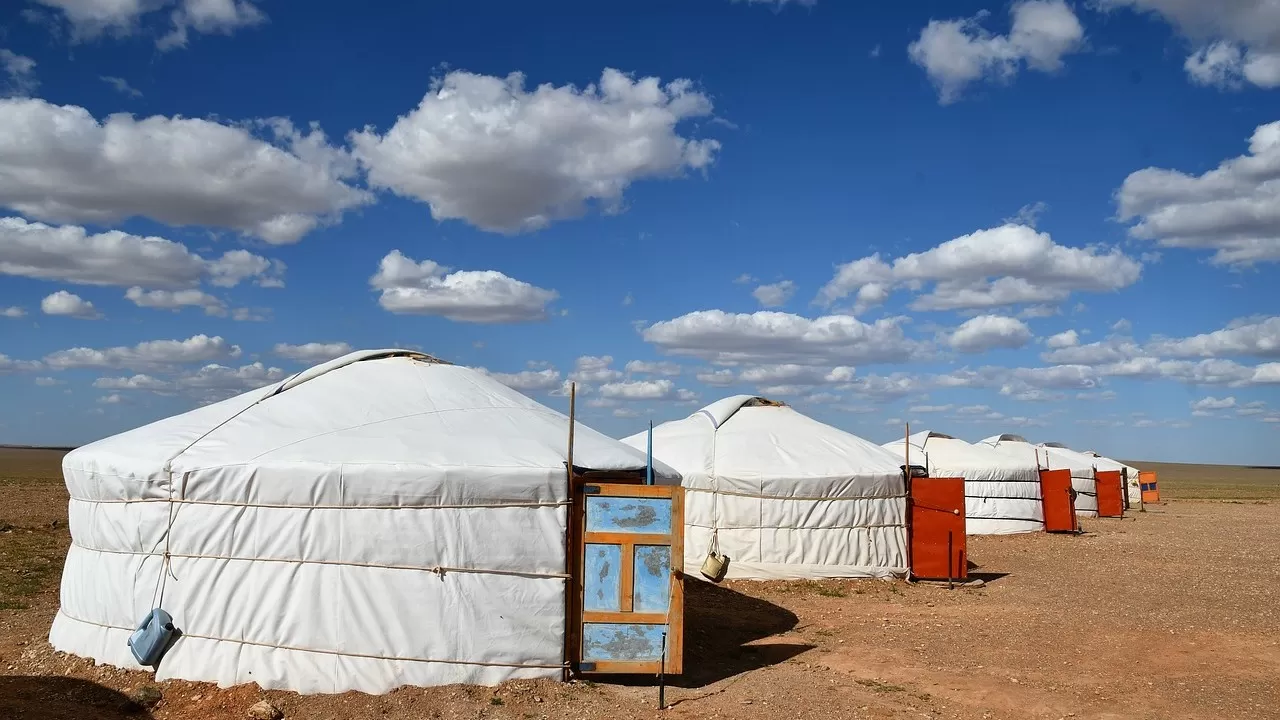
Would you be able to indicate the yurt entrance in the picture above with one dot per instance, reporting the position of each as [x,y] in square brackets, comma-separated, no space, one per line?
[936,528]
[1110,493]
[628,600]
[1059,501]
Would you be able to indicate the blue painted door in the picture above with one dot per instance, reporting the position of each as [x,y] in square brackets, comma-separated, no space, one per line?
[632,601]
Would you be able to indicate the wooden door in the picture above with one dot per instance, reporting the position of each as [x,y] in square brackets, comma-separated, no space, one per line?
[630,596]
[1110,493]
[937,528]
[1059,501]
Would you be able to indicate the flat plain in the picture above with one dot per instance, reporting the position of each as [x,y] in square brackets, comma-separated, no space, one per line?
[1169,613]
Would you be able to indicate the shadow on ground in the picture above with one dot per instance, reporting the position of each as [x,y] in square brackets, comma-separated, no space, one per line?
[719,624]
[58,698]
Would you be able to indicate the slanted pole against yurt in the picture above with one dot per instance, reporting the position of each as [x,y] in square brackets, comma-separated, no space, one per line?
[1002,492]
[383,519]
[1048,458]
[783,495]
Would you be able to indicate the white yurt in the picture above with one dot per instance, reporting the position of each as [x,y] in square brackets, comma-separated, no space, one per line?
[783,495]
[1054,458]
[1133,485]
[1001,492]
[383,519]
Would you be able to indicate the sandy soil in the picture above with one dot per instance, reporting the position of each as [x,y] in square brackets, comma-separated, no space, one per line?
[1172,613]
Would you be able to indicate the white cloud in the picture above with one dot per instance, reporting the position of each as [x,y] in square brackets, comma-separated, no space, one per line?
[661,389]
[1257,407]
[47,382]
[121,86]
[744,279]
[530,380]
[20,74]
[1122,326]
[63,165]
[1006,265]
[798,375]
[1205,405]
[70,254]
[9,365]
[973,410]
[111,399]
[311,353]
[1111,350]
[1266,374]
[987,332]
[641,367]
[922,409]
[775,337]
[145,355]
[69,305]
[626,413]
[214,381]
[1233,209]
[718,378]
[1257,337]
[89,19]
[956,53]
[1233,41]
[1204,372]
[489,151]
[175,299]
[479,296]
[882,387]
[136,382]
[775,294]
[12,312]
[593,370]
[1069,338]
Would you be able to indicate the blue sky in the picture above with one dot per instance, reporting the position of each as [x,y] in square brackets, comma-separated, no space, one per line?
[1057,219]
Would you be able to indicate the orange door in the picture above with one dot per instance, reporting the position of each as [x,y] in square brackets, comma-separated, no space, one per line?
[1150,490]
[1110,493]
[1059,501]
[937,528]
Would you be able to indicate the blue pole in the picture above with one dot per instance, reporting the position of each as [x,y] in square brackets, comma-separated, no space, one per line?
[648,468]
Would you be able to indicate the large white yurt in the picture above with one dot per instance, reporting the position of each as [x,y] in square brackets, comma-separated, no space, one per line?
[783,495]
[383,519]
[1001,492]
[1133,485]
[1053,458]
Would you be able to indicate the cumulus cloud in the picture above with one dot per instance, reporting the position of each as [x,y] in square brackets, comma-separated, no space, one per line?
[987,332]
[642,367]
[593,370]
[1209,404]
[1258,337]
[1233,41]
[798,375]
[776,337]
[923,409]
[495,154]
[175,300]
[479,296]
[1233,209]
[70,254]
[311,353]
[63,165]
[1065,339]
[69,305]
[660,389]
[90,19]
[19,74]
[8,365]
[718,378]
[1003,266]
[1111,350]
[956,53]
[530,380]
[1266,374]
[775,294]
[12,312]
[145,355]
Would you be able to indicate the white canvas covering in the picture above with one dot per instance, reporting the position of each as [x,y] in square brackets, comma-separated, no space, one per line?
[1001,492]
[380,520]
[1133,485]
[1082,474]
[784,495]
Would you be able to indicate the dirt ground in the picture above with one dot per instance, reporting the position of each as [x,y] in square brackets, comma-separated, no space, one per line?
[1171,613]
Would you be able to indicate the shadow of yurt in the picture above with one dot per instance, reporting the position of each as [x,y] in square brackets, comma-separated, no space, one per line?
[720,626]
[24,697]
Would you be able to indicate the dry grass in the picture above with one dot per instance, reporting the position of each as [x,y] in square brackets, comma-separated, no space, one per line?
[1172,613]
[1213,482]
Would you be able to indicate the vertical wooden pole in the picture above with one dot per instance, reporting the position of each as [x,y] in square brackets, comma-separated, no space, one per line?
[571,549]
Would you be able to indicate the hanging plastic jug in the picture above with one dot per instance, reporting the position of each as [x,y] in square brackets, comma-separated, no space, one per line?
[152,637]
[715,566]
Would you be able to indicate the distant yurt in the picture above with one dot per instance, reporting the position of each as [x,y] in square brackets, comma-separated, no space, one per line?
[1001,492]
[1133,486]
[1083,479]
[383,519]
[783,495]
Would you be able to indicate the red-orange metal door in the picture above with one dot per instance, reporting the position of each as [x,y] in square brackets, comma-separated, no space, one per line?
[1110,493]
[937,525]
[1059,501]
[1147,484]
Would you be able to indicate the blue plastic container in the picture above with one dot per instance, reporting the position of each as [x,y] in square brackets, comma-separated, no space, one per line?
[152,637]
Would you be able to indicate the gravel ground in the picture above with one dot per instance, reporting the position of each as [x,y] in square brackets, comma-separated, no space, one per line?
[1168,614]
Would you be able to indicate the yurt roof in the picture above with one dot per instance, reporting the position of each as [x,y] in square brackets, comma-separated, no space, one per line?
[949,454]
[751,436]
[389,407]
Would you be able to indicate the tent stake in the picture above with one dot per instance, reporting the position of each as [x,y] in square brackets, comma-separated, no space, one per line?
[662,675]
